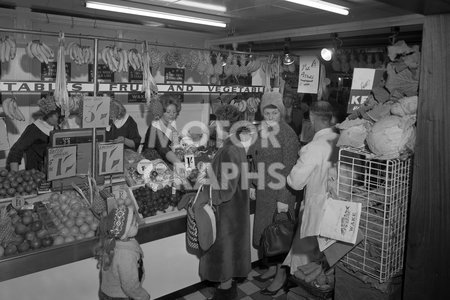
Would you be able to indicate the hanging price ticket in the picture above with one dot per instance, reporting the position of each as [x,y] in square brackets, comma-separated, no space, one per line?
[62,162]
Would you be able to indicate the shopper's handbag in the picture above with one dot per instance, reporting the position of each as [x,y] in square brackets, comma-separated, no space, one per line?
[276,238]
[191,226]
[205,218]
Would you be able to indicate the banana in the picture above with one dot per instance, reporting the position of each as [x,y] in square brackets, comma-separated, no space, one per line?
[12,44]
[5,105]
[16,111]
[2,51]
[120,59]
[104,55]
[11,109]
[42,53]
[125,58]
[7,50]
[28,49]
[34,51]
[48,51]
[67,52]
[79,55]
[244,105]
[131,60]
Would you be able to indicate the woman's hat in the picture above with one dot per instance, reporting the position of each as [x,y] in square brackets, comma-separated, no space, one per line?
[47,105]
[119,221]
[272,98]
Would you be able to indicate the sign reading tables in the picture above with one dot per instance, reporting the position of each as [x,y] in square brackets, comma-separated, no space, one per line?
[48,71]
[308,74]
[62,162]
[110,158]
[363,81]
[173,76]
[95,112]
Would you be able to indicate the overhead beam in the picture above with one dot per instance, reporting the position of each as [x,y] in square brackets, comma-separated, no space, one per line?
[413,19]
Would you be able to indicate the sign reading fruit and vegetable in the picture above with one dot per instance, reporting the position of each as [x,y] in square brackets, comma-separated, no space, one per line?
[62,162]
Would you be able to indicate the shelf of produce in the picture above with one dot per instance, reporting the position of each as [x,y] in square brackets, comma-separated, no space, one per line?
[47,258]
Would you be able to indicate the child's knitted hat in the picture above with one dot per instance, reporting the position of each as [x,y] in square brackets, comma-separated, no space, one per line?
[272,98]
[119,221]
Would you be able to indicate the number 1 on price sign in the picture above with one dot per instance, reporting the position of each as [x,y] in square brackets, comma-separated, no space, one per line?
[110,158]
[62,162]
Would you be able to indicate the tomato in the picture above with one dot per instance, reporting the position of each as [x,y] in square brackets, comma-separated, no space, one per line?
[36,244]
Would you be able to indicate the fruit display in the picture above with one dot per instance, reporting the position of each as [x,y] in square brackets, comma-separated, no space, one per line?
[72,217]
[80,54]
[24,182]
[135,59]
[22,231]
[40,51]
[240,104]
[116,59]
[7,49]
[11,109]
[253,104]
[150,203]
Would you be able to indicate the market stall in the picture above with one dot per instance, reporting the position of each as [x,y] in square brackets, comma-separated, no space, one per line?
[49,219]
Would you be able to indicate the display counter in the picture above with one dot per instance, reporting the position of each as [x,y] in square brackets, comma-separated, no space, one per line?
[69,271]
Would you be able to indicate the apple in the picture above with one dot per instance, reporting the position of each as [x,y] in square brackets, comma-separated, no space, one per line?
[10,249]
[21,229]
[47,241]
[27,220]
[31,235]
[69,239]
[25,246]
[36,244]
[36,225]
[58,240]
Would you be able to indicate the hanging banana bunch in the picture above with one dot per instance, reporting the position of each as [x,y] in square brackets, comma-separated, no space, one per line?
[80,54]
[7,49]
[40,51]
[11,109]
[135,59]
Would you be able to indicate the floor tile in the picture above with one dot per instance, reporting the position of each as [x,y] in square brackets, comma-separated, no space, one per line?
[249,288]
[195,296]
[247,298]
[252,274]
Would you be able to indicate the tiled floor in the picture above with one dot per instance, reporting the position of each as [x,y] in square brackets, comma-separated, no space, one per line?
[247,290]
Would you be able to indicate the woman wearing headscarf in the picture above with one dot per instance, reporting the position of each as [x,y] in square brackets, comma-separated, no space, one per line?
[276,151]
[229,256]
[123,127]
[35,139]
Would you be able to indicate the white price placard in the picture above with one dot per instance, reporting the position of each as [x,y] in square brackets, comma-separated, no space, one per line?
[62,162]
[110,158]
[96,112]
[308,74]
[18,201]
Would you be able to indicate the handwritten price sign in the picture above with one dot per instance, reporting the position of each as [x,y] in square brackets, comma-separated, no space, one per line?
[110,158]
[308,76]
[62,162]
[96,112]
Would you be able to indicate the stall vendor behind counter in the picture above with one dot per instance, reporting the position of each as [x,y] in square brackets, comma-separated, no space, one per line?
[35,139]
[123,127]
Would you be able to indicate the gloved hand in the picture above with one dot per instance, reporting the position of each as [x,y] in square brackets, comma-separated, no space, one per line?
[252,193]
[282,207]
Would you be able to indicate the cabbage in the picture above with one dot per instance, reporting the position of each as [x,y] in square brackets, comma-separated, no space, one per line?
[391,136]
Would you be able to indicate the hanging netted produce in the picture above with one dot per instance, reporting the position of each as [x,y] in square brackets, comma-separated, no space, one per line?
[61,95]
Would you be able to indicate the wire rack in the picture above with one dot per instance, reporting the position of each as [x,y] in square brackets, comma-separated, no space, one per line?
[383,189]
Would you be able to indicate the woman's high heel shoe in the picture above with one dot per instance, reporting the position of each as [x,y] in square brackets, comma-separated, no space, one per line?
[267,292]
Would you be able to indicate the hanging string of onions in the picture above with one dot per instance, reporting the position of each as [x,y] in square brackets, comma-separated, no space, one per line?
[149,84]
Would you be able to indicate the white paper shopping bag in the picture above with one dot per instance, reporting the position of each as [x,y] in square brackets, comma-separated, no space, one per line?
[341,220]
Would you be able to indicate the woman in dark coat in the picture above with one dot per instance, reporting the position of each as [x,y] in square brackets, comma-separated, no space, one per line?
[34,141]
[229,256]
[123,127]
[277,144]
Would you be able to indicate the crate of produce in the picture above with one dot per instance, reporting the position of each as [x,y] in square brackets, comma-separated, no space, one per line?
[383,189]
[154,206]
[23,182]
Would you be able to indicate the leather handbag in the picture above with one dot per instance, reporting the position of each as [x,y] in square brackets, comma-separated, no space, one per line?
[276,238]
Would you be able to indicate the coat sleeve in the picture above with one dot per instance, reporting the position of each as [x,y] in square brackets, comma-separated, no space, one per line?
[306,163]
[133,133]
[129,277]
[158,141]
[290,147]
[25,141]
[227,171]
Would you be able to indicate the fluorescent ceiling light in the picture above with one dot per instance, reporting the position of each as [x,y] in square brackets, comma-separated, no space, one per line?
[200,5]
[153,14]
[322,5]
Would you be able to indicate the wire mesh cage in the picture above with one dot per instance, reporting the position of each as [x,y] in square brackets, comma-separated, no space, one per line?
[383,189]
